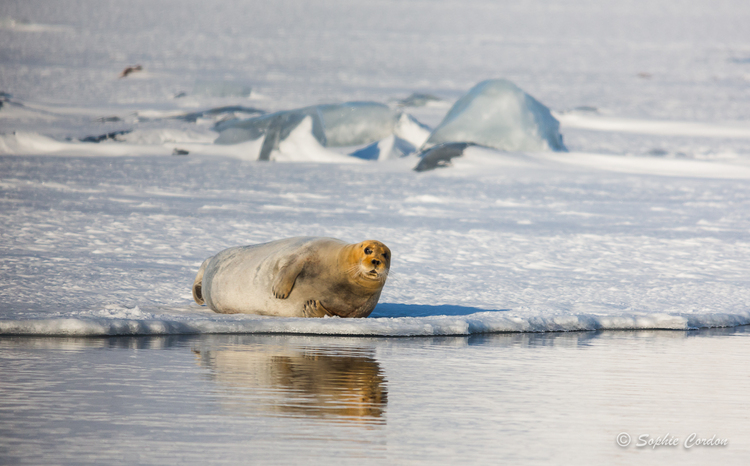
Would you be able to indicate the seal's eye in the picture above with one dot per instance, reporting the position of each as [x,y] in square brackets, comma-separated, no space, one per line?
[385,255]
[368,251]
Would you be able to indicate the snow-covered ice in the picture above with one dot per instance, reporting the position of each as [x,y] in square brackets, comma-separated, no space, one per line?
[639,225]
[499,242]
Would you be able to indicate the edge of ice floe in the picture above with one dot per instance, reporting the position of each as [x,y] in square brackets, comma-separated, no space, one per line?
[476,323]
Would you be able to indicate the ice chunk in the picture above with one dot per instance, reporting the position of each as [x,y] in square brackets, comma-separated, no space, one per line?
[275,127]
[242,130]
[497,114]
[237,135]
[391,147]
[334,125]
[281,126]
[409,129]
[355,123]
[301,145]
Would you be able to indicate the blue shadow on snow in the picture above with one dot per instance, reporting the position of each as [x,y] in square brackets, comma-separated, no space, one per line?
[425,310]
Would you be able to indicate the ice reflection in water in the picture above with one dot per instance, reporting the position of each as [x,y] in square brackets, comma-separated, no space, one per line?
[345,384]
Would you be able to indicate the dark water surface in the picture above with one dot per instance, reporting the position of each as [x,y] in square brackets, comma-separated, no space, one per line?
[261,399]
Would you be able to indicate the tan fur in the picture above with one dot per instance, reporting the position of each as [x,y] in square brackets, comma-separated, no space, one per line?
[295,277]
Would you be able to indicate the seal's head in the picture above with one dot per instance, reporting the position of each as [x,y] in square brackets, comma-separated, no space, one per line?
[369,263]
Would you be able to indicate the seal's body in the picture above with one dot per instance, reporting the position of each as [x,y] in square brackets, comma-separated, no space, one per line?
[295,277]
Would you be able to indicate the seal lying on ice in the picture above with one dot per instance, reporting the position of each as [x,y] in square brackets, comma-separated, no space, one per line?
[295,277]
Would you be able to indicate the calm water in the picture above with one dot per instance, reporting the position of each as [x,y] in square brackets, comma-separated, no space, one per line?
[242,399]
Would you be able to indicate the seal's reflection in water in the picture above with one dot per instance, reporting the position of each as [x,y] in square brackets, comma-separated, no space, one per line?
[331,379]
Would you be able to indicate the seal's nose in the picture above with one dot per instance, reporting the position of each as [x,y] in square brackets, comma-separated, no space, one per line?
[375,262]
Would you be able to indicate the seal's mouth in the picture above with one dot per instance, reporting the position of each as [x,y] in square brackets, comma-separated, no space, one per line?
[372,274]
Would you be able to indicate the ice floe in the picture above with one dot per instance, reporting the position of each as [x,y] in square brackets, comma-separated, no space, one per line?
[389,320]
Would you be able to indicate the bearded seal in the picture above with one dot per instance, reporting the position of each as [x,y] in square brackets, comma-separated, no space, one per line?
[295,277]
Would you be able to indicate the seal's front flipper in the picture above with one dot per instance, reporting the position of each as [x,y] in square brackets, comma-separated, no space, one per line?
[313,308]
[284,281]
